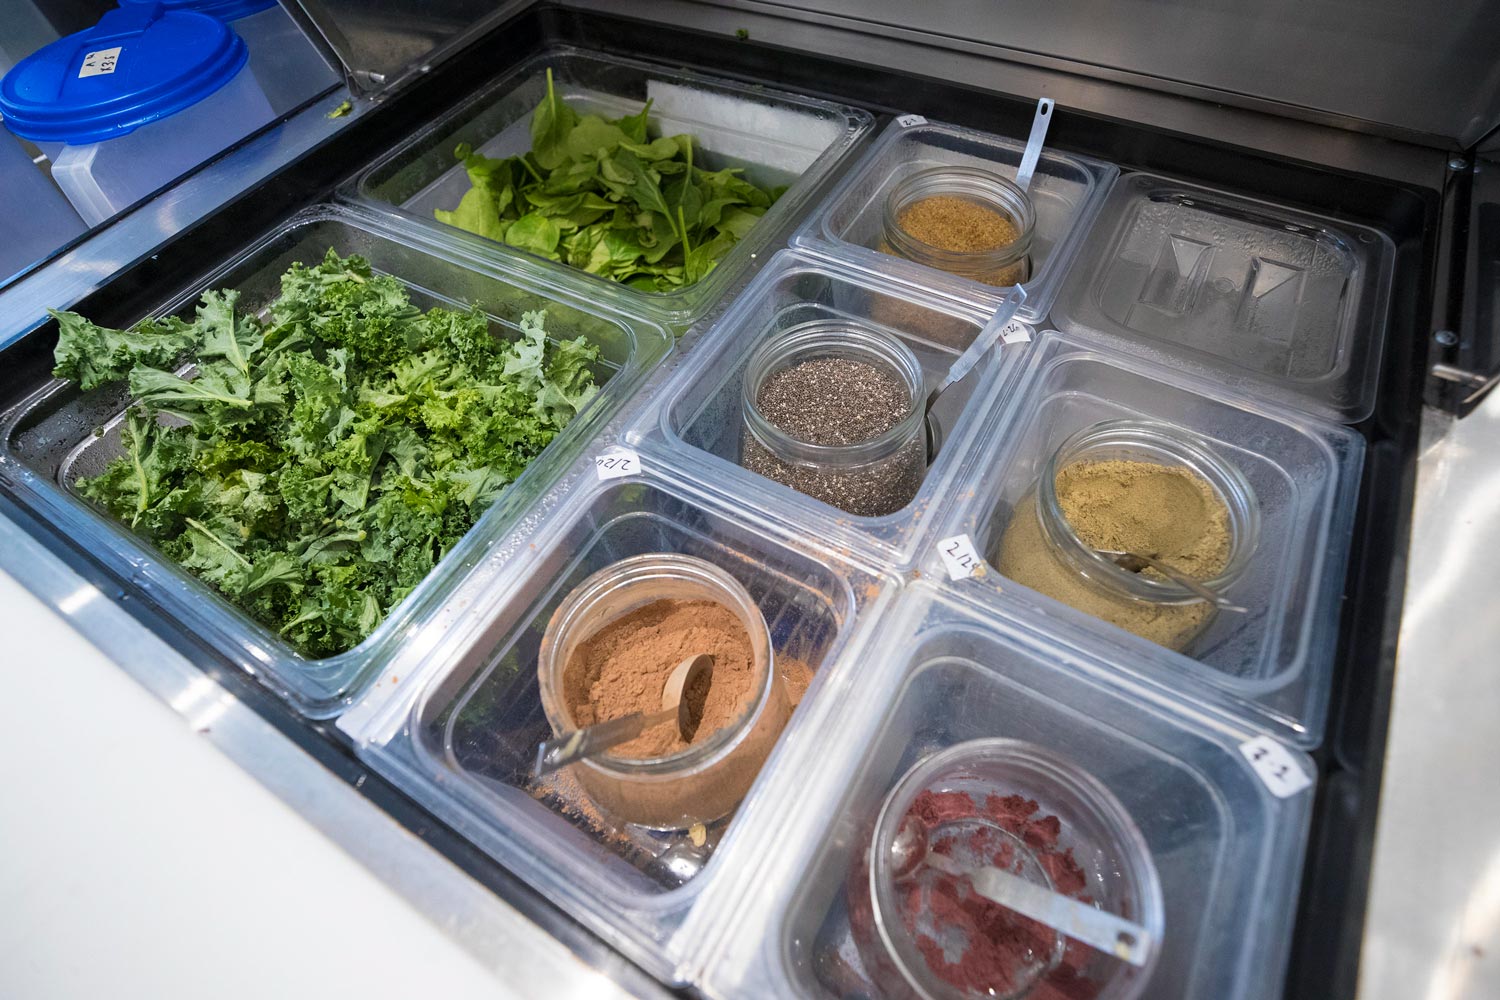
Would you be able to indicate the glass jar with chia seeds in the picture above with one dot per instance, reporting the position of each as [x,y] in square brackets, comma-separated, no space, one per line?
[1138,486]
[836,410]
[963,220]
[707,780]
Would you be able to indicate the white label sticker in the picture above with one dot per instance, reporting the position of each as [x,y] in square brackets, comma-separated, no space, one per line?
[1276,766]
[1015,332]
[960,557]
[100,62]
[907,121]
[617,463]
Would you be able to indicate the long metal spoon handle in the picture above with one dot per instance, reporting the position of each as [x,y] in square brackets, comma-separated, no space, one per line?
[1099,929]
[1034,143]
[560,751]
[1178,577]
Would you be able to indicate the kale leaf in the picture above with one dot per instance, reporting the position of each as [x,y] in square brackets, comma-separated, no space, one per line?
[315,465]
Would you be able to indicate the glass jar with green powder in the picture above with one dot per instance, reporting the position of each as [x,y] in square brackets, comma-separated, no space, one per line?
[1141,487]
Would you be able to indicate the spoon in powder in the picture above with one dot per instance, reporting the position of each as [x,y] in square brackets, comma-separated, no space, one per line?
[1134,562]
[682,699]
[996,326]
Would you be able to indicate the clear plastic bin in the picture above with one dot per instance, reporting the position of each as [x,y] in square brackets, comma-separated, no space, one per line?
[1226,849]
[777,138]
[698,422]
[36,216]
[48,441]
[1066,192]
[1271,666]
[1260,297]
[460,732]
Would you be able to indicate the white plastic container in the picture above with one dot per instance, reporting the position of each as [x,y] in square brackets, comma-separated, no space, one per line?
[282,60]
[133,103]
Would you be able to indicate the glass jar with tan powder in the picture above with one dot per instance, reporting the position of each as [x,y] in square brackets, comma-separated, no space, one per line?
[1140,487]
[963,220]
[601,649]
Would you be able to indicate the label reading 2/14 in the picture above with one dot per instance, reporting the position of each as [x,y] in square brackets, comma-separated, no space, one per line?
[616,463]
[1276,766]
[100,62]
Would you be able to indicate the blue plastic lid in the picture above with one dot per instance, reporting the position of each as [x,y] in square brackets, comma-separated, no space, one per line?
[135,66]
[224,10]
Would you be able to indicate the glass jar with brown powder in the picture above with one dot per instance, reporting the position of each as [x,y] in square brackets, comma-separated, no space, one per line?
[1140,487]
[963,220]
[607,652]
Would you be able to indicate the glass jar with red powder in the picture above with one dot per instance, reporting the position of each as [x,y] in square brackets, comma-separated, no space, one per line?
[926,935]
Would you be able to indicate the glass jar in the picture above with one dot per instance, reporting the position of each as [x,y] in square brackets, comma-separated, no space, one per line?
[869,479]
[1003,265]
[705,781]
[1041,549]
[986,786]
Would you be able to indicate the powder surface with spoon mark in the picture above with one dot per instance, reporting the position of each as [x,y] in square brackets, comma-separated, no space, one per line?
[1165,512]
[623,669]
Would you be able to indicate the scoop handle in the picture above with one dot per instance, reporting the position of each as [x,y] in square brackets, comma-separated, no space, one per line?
[560,751]
[1034,142]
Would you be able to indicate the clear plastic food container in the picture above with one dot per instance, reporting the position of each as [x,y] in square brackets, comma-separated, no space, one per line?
[698,421]
[286,65]
[955,668]
[49,441]
[459,732]
[38,218]
[1271,665]
[776,139]
[132,103]
[1261,297]
[1052,217]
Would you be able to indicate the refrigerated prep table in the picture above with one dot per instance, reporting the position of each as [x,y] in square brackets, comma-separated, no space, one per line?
[1379,199]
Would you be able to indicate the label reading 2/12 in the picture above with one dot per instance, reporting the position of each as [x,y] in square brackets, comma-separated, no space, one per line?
[616,463]
[100,62]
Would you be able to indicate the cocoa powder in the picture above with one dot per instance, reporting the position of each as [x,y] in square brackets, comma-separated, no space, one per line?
[623,669]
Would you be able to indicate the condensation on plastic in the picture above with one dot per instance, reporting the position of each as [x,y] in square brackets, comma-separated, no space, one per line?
[459,733]
[1261,297]
[48,441]
[954,667]
[1271,667]
[695,418]
[1066,192]
[775,137]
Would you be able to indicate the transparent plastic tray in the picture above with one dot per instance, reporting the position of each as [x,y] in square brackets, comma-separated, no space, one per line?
[1270,667]
[954,668]
[697,422]
[775,137]
[1066,192]
[48,441]
[1261,297]
[459,733]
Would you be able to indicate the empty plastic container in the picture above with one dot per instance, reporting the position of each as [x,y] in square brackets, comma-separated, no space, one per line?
[1263,297]
[286,65]
[34,215]
[133,103]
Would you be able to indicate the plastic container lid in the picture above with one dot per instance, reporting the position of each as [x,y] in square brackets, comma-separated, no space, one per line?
[224,10]
[135,66]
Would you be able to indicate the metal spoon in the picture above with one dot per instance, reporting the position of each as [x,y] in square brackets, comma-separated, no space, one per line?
[996,326]
[1134,562]
[563,750]
[1100,930]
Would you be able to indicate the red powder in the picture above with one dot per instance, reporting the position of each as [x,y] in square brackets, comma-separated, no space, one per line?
[1000,949]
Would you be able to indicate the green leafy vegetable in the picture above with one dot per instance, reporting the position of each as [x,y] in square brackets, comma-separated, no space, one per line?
[314,466]
[604,197]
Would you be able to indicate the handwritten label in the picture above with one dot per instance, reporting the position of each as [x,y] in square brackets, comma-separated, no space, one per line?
[907,121]
[1015,332]
[617,463]
[1276,766]
[100,62]
[960,557]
